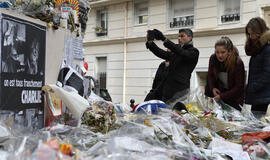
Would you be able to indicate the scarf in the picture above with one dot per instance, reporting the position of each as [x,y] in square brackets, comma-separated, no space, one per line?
[220,66]
[252,49]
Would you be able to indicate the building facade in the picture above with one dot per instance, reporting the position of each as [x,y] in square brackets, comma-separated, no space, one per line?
[114,43]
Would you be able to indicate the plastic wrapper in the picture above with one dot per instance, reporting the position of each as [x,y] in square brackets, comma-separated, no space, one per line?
[41,9]
[256,144]
[135,147]
[45,152]
[4,131]
[228,113]
[204,131]
[159,131]
[80,137]
[100,117]
[4,155]
[257,150]
[74,102]
[53,106]
[122,108]
[256,136]
[53,149]
[233,150]
[42,145]
[150,107]
[266,119]
[201,137]
[97,114]
[5,114]
[94,98]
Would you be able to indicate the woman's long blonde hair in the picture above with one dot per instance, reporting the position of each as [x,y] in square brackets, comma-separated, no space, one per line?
[233,52]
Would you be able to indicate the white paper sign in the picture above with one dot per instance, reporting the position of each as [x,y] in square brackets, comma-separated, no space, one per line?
[232,149]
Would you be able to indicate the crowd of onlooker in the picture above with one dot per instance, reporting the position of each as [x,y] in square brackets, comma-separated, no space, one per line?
[226,79]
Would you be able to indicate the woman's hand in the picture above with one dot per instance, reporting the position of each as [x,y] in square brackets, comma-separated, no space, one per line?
[217,98]
[215,92]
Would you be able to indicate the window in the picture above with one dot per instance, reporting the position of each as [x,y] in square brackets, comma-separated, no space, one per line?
[229,11]
[181,13]
[267,15]
[102,22]
[101,71]
[141,11]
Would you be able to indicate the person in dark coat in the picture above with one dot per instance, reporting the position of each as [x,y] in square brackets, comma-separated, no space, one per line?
[226,74]
[11,64]
[258,47]
[11,61]
[32,59]
[161,74]
[183,58]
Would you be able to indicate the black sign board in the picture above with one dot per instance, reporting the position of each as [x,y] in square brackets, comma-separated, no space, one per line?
[22,73]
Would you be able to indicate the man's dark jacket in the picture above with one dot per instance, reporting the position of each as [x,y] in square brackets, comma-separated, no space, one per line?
[182,62]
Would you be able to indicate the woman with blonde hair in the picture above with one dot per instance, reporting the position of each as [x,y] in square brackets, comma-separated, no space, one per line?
[226,74]
[258,47]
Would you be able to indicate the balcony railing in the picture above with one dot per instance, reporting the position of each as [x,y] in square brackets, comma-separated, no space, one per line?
[179,22]
[230,18]
[101,33]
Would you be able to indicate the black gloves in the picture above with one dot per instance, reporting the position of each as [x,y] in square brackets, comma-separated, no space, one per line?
[147,45]
[150,35]
[159,35]
[155,34]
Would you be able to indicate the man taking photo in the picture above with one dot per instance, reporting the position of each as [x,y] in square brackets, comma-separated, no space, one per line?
[183,58]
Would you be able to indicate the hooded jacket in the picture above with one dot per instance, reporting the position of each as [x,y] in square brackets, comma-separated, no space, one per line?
[258,88]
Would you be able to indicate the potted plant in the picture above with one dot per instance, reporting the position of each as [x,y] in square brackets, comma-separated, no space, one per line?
[100,31]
